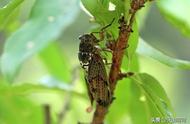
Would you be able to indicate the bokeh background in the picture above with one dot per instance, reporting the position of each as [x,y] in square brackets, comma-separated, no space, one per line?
[155,30]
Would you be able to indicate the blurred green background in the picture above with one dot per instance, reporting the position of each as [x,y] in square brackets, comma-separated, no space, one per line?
[62,55]
[167,38]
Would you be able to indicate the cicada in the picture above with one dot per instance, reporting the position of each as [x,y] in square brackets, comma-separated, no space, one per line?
[96,76]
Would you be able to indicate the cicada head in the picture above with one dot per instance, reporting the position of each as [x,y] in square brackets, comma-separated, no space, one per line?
[86,47]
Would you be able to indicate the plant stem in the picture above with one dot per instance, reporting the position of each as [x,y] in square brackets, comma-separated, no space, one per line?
[67,99]
[47,114]
[117,56]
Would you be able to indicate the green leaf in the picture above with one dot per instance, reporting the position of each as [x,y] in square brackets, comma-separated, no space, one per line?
[119,108]
[47,21]
[56,62]
[150,97]
[17,109]
[176,12]
[98,8]
[119,7]
[133,41]
[138,110]
[131,65]
[7,9]
[147,50]
[102,15]
[142,15]
[123,94]
[129,62]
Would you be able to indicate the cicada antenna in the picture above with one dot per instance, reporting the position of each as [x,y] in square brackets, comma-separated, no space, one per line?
[101,32]
[107,25]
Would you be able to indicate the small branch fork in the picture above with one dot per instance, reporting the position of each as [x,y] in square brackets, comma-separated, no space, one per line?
[117,56]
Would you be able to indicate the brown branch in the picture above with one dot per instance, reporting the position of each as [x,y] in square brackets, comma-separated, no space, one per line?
[117,56]
[118,53]
[47,114]
[99,114]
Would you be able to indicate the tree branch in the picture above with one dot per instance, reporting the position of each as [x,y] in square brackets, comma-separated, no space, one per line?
[99,114]
[117,56]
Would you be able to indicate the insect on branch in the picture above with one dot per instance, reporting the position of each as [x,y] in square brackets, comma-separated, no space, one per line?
[101,86]
[125,30]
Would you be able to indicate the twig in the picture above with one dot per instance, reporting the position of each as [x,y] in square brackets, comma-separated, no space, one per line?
[67,99]
[117,56]
[64,109]
[47,114]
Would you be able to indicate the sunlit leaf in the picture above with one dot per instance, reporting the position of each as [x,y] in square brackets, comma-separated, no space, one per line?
[176,12]
[47,21]
[147,50]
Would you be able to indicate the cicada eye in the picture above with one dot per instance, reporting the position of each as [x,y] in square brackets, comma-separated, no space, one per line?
[80,57]
[80,37]
[84,57]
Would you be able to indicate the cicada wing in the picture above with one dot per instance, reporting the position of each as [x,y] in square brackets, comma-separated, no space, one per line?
[89,91]
[98,80]
[104,92]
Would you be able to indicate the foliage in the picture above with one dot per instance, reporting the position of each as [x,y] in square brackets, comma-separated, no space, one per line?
[138,98]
